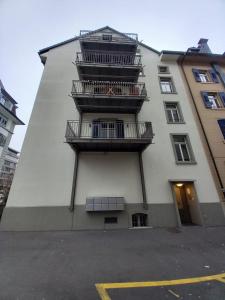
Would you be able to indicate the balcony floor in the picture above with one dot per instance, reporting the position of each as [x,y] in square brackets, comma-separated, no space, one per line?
[110,104]
[108,72]
[107,145]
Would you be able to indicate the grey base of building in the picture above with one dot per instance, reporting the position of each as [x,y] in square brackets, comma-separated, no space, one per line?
[61,218]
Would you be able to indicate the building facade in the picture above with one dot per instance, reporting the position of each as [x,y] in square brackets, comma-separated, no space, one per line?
[8,170]
[205,75]
[8,121]
[122,149]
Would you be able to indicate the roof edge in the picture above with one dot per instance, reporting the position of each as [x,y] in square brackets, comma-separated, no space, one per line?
[44,50]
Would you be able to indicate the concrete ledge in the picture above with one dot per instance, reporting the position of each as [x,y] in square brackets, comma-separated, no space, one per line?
[212,214]
[36,218]
[60,218]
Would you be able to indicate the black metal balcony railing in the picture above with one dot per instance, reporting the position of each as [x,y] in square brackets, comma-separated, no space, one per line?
[108,89]
[127,37]
[109,58]
[109,130]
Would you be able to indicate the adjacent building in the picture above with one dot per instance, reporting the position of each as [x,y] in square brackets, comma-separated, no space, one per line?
[115,141]
[8,121]
[7,171]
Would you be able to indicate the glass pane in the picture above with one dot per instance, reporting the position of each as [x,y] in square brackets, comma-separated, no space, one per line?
[185,152]
[143,219]
[169,115]
[176,116]
[171,105]
[179,138]
[178,152]
[134,221]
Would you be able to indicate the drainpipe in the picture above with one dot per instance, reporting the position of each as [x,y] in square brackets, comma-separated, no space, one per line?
[144,195]
[201,124]
[75,171]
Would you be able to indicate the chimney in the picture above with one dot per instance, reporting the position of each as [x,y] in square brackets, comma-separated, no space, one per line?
[203,46]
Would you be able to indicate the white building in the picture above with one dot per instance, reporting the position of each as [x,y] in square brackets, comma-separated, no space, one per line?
[105,169]
[7,171]
[8,121]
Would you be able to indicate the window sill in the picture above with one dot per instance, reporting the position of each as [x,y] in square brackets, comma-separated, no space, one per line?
[186,162]
[219,108]
[176,122]
[168,92]
[161,73]
[208,82]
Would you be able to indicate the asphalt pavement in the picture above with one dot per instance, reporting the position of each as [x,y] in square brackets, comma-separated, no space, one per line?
[66,265]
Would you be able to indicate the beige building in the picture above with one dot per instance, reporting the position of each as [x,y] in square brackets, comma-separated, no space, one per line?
[120,149]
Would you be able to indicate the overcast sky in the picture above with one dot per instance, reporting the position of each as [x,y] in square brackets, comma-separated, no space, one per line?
[30,25]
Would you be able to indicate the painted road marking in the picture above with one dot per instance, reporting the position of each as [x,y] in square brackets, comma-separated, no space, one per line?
[103,287]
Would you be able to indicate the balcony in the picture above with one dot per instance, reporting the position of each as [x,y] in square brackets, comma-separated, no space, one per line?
[114,66]
[113,135]
[103,96]
[106,40]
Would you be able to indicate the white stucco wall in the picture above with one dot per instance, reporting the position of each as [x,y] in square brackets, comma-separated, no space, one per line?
[159,159]
[44,173]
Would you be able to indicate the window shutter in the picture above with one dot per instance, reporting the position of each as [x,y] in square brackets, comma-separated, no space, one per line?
[205,98]
[196,75]
[222,126]
[213,76]
[222,96]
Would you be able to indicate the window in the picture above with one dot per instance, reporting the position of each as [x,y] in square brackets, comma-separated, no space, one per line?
[110,220]
[213,100]
[3,121]
[107,37]
[6,169]
[163,69]
[182,149]
[108,129]
[205,76]
[139,220]
[6,103]
[166,85]
[2,140]
[7,162]
[173,112]
[221,123]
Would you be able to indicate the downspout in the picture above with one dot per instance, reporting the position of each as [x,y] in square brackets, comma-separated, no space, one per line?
[144,195]
[75,171]
[201,124]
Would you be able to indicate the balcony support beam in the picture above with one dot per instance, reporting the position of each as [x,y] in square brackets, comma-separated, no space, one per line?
[144,195]
[75,172]
[74,184]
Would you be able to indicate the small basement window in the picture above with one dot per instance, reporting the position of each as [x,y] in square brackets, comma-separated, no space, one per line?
[110,220]
[163,69]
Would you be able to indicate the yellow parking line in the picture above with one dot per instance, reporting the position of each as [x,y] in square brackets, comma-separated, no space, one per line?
[103,287]
[221,280]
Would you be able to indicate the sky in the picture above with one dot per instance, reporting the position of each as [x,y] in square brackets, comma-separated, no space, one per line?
[30,25]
